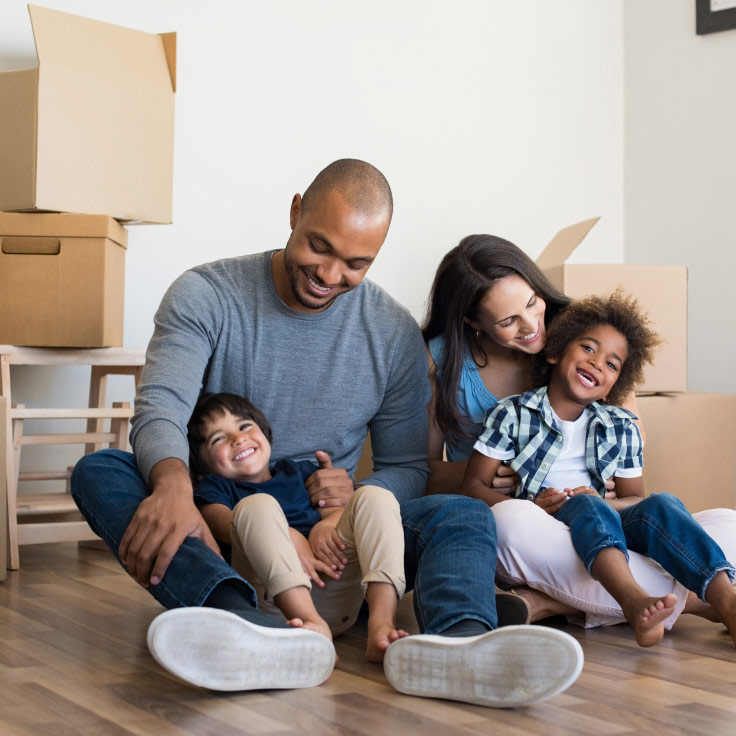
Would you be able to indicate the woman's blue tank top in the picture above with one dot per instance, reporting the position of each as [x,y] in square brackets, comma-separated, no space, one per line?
[473,399]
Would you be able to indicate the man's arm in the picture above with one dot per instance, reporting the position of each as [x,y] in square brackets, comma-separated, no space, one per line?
[177,357]
[399,430]
[162,522]
[187,325]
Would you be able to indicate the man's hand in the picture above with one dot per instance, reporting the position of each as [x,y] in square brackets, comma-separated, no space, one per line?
[327,546]
[329,486]
[310,564]
[505,479]
[551,500]
[161,523]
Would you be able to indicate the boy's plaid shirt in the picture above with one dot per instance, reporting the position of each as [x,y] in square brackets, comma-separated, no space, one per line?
[525,425]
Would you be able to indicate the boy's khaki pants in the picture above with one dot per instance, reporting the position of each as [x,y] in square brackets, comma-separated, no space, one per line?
[370,527]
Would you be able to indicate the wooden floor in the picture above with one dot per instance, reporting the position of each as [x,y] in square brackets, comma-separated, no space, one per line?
[73,660]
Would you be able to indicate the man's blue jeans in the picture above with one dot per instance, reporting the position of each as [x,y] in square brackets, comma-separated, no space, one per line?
[659,527]
[450,556]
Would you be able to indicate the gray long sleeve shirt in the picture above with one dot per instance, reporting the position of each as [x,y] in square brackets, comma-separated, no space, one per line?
[322,378]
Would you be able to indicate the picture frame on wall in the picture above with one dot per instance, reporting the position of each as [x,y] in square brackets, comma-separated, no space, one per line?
[714,15]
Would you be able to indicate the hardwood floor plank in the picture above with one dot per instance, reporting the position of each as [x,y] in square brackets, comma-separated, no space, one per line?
[74,661]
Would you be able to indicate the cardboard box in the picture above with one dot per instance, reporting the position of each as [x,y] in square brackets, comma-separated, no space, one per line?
[661,291]
[91,129]
[689,448]
[61,280]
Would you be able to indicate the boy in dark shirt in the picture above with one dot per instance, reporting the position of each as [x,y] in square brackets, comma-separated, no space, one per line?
[280,543]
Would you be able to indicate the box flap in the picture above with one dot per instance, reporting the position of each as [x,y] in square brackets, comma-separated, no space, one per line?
[564,243]
[21,224]
[93,48]
[18,99]
[169,40]
[105,137]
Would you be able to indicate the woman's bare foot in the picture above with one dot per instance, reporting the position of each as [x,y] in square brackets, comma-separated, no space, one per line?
[721,594]
[541,605]
[696,607]
[380,635]
[647,616]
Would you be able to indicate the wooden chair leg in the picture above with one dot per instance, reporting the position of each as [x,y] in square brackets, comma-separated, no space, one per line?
[120,427]
[11,480]
[4,421]
[97,393]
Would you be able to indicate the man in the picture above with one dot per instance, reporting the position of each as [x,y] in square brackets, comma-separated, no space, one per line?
[326,355]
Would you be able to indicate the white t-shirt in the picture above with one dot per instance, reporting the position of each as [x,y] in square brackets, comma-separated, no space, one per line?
[569,469]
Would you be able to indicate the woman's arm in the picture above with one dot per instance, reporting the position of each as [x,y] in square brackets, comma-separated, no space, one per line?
[218,518]
[479,475]
[444,477]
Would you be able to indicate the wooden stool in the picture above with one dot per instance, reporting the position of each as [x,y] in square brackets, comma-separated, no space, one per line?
[53,517]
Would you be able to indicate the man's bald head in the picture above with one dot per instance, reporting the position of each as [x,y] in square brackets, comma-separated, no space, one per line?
[362,186]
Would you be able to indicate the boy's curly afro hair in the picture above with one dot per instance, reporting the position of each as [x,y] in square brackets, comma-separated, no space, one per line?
[620,311]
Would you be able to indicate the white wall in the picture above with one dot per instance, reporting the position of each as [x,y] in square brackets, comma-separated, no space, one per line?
[680,170]
[485,115]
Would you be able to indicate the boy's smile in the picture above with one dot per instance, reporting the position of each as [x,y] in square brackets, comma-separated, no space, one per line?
[235,448]
[587,370]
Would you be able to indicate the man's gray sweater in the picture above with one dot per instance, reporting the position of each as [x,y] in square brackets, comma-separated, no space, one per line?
[321,378]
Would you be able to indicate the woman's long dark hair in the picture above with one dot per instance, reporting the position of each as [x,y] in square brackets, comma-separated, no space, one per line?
[462,280]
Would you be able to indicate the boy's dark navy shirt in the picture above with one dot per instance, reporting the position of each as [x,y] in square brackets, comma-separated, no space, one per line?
[286,486]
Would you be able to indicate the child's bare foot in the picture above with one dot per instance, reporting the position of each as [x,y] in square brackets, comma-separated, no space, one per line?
[319,625]
[380,636]
[647,617]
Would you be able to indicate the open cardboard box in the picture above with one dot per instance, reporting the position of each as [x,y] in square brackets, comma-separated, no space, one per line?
[61,280]
[661,291]
[91,128]
[689,447]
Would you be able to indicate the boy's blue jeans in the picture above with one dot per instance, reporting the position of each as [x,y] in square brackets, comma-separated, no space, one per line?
[659,527]
[450,557]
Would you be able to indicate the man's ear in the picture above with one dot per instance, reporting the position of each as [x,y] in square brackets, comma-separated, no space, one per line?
[296,208]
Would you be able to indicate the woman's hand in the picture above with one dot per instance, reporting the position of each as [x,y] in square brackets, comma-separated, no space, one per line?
[505,479]
[582,491]
[310,564]
[551,500]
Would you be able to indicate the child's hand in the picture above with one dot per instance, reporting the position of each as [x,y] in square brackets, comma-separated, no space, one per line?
[310,564]
[327,546]
[551,500]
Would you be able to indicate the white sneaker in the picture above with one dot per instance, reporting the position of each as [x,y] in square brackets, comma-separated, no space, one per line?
[218,650]
[505,668]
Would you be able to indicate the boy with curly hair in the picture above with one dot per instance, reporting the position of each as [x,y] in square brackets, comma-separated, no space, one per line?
[567,438]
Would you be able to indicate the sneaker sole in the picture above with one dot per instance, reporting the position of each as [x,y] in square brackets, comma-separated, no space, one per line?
[505,668]
[218,650]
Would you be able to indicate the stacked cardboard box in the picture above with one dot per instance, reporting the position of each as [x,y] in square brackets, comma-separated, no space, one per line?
[690,437]
[88,132]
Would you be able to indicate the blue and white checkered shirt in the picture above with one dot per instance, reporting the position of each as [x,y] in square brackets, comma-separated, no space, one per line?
[525,426]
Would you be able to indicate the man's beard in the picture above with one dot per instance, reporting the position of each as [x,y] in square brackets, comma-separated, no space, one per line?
[292,273]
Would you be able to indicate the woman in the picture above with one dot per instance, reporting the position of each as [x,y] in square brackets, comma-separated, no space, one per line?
[486,319]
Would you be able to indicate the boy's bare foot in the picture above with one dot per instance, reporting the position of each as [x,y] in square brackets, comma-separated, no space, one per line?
[647,617]
[319,625]
[541,605]
[380,635]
